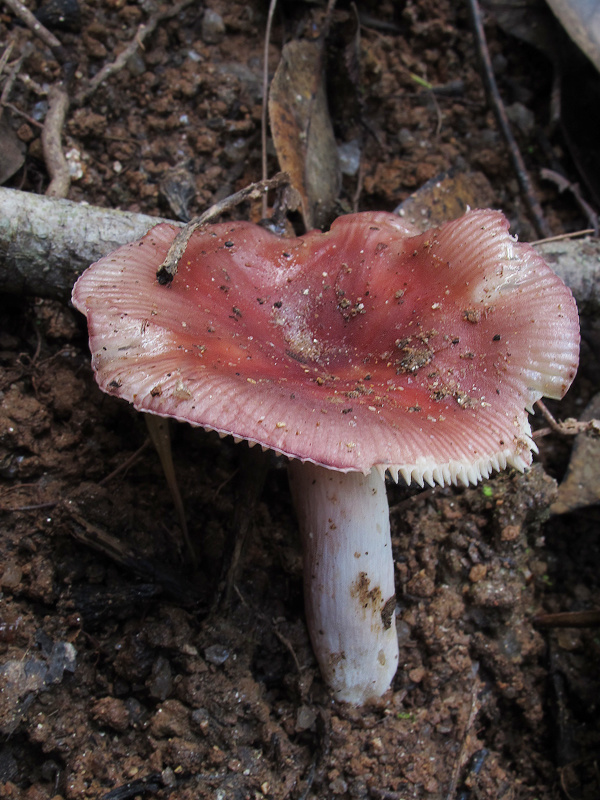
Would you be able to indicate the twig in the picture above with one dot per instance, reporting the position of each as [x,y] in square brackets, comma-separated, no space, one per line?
[568,427]
[143,30]
[33,86]
[540,433]
[35,507]
[288,644]
[12,76]
[126,464]
[36,27]
[429,90]
[285,642]
[567,770]
[105,480]
[564,185]
[265,101]
[359,185]
[568,619]
[150,784]
[465,741]
[56,163]
[494,99]
[5,56]
[20,113]
[168,269]
[107,544]
[563,236]
[158,428]
[310,778]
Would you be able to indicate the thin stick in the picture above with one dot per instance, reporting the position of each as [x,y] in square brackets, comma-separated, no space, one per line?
[465,741]
[540,433]
[359,185]
[36,507]
[562,236]
[20,113]
[265,101]
[288,644]
[168,269]
[564,185]
[105,480]
[12,76]
[107,544]
[126,464]
[161,439]
[568,427]
[495,101]
[5,56]
[49,39]
[56,163]
[568,619]
[143,30]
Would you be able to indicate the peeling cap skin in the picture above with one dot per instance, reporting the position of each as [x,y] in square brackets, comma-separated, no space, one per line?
[369,345]
[366,348]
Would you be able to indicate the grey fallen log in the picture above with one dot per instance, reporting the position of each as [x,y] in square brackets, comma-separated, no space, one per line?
[577,262]
[46,243]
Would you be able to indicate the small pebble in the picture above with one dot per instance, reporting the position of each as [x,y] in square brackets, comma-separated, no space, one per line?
[216,654]
[213,27]
[305,718]
[477,573]
[349,156]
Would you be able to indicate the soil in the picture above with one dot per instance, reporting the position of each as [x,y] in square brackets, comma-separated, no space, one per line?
[125,671]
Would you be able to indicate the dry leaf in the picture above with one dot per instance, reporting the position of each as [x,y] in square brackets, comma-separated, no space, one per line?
[12,151]
[446,197]
[302,131]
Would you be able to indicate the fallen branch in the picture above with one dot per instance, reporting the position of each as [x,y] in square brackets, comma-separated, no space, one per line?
[45,244]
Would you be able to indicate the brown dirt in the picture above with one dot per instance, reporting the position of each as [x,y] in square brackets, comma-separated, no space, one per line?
[119,676]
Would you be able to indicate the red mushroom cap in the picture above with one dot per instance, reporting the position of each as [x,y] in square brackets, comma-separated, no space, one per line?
[369,345]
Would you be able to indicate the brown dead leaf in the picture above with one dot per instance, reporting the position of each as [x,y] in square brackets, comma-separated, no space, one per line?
[446,197]
[302,131]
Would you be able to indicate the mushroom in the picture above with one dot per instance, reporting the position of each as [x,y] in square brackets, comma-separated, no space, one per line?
[367,349]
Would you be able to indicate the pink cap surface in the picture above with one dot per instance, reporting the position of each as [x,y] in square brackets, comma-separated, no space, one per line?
[368,345]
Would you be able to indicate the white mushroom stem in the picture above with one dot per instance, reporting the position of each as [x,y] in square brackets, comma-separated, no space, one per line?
[348,578]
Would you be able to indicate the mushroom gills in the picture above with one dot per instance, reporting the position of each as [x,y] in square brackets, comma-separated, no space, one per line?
[348,578]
